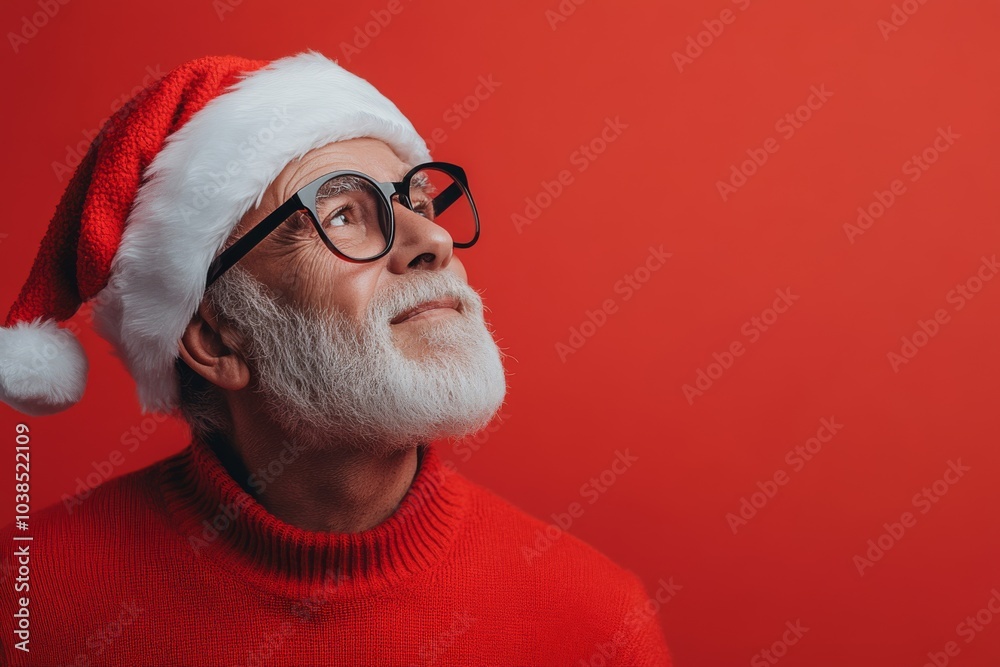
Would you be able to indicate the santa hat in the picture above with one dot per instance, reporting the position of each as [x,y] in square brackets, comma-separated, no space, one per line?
[153,202]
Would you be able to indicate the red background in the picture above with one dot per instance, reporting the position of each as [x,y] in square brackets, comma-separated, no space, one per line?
[655,184]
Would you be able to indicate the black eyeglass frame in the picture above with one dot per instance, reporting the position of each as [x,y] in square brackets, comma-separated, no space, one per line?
[305,199]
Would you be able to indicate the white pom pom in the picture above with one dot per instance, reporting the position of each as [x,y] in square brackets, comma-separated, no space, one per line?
[43,368]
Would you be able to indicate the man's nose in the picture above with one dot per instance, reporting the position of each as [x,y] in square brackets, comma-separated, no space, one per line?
[420,243]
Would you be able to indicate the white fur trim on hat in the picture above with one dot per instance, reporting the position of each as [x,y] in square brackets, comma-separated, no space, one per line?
[208,174]
[43,368]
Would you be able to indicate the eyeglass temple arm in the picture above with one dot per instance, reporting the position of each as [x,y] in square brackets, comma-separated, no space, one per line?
[446,198]
[238,250]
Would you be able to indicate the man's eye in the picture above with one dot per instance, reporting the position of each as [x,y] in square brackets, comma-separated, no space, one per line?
[339,218]
[424,208]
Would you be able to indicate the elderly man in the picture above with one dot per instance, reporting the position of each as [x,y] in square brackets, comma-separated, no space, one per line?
[272,252]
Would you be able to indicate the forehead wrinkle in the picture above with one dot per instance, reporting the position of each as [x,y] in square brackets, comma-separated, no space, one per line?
[305,171]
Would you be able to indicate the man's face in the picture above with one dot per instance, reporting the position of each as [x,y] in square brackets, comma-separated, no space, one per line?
[331,356]
[294,263]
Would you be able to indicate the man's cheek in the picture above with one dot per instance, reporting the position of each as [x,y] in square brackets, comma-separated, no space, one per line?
[307,280]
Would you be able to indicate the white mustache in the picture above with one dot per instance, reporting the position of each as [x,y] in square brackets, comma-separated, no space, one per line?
[414,291]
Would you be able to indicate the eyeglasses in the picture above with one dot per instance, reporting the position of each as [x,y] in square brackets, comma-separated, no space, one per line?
[353,213]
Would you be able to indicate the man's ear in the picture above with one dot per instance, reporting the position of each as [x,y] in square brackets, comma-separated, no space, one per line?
[205,350]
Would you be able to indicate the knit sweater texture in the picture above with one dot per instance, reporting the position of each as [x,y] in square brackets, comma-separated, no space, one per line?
[176,564]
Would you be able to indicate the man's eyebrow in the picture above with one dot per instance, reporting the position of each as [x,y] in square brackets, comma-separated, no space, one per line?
[336,186]
[421,180]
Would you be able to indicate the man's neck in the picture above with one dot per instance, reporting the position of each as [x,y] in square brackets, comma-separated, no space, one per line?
[337,490]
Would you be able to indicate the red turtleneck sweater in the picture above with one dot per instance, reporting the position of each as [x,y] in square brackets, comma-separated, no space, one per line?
[176,565]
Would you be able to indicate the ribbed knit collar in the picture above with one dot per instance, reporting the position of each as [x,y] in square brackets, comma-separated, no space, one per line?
[223,523]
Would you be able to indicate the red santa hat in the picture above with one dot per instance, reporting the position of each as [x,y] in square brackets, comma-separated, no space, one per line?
[153,202]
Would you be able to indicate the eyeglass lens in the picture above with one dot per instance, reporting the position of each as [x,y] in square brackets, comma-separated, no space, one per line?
[353,215]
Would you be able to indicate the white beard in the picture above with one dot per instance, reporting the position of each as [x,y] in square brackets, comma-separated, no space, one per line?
[326,383]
